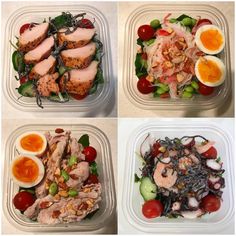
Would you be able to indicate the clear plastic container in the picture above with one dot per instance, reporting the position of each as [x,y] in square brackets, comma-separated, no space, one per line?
[38,14]
[143,15]
[132,200]
[107,206]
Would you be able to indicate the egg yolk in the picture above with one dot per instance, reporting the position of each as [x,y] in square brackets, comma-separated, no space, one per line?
[32,143]
[25,170]
[209,71]
[211,39]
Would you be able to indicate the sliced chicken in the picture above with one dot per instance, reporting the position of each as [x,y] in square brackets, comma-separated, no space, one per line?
[79,81]
[32,37]
[76,149]
[47,66]
[79,38]
[41,52]
[79,58]
[47,85]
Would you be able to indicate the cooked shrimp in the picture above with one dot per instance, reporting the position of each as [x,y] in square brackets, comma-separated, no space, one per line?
[164,176]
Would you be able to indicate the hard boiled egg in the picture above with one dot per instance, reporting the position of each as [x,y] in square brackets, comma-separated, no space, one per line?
[27,171]
[33,143]
[210,70]
[210,39]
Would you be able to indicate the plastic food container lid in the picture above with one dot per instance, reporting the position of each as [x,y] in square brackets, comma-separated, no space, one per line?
[132,200]
[38,14]
[106,207]
[143,15]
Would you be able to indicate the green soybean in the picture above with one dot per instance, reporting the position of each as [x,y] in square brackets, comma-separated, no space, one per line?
[155,23]
[72,193]
[195,85]
[194,21]
[187,21]
[189,89]
[187,94]
[53,188]
[149,42]
[65,175]
[72,160]
[160,91]
[173,20]
[165,87]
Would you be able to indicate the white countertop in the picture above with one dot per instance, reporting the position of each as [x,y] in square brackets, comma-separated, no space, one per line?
[109,10]
[108,126]
[128,109]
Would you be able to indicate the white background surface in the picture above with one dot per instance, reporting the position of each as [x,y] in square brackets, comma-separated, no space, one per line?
[128,109]
[108,126]
[126,128]
[109,10]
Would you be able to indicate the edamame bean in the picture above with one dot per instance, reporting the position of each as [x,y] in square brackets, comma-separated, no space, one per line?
[149,42]
[187,21]
[195,85]
[187,94]
[72,193]
[53,188]
[72,160]
[165,87]
[65,175]
[155,23]
[194,21]
[189,89]
[173,20]
[160,91]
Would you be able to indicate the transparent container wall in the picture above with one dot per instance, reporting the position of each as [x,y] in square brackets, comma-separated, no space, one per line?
[143,15]
[38,14]
[133,201]
[100,142]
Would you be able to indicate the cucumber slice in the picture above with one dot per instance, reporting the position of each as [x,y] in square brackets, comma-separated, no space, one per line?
[148,189]
[27,89]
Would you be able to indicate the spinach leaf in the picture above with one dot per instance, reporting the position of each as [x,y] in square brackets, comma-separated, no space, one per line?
[63,20]
[182,17]
[93,168]
[140,65]
[90,215]
[136,178]
[140,42]
[99,79]
[84,140]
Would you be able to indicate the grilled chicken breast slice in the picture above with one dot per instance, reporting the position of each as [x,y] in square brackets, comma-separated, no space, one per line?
[32,37]
[79,38]
[47,85]
[47,66]
[41,52]
[79,58]
[79,81]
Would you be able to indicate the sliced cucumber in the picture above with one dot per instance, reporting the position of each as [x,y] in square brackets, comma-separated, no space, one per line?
[148,189]
[27,89]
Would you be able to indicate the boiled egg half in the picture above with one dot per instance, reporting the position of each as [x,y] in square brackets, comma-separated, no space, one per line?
[210,70]
[33,143]
[27,171]
[210,39]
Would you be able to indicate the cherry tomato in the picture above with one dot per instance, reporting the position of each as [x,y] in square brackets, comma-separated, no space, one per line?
[162,32]
[165,95]
[90,154]
[152,208]
[210,203]
[155,149]
[211,153]
[92,179]
[23,80]
[23,200]
[86,23]
[144,56]
[201,23]
[144,86]
[145,32]
[79,97]
[24,27]
[205,90]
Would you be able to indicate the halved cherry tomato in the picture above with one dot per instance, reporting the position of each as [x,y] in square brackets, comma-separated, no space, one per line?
[201,23]
[86,23]
[24,27]
[90,154]
[152,208]
[210,203]
[144,86]
[205,90]
[79,97]
[155,149]
[145,32]
[162,32]
[211,153]
[23,200]
[92,179]
[165,95]
[23,80]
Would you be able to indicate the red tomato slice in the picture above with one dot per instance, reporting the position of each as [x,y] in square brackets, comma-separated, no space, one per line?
[145,32]
[211,153]
[79,97]
[24,27]
[86,23]
[210,203]
[23,80]
[90,154]
[144,56]
[92,179]
[144,86]
[23,200]
[162,32]
[165,95]
[155,149]
[152,209]
[205,90]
